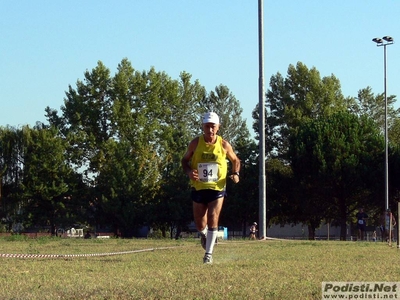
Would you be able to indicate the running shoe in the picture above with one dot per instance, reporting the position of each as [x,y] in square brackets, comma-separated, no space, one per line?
[207,259]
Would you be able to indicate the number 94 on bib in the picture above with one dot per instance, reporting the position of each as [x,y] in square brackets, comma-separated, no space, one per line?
[208,172]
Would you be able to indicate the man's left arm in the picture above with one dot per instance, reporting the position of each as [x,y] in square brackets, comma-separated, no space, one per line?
[234,160]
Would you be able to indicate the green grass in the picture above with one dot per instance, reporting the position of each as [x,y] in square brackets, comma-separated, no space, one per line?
[174,269]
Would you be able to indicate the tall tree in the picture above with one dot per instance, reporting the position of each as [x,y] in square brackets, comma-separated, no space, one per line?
[104,117]
[180,110]
[11,171]
[125,186]
[334,162]
[303,95]
[144,115]
[86,118]
[300,97]
[46,170]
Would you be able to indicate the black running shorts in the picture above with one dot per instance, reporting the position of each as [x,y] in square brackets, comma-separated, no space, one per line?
[207,196]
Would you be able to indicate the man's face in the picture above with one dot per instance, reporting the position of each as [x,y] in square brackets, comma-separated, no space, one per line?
[210,129]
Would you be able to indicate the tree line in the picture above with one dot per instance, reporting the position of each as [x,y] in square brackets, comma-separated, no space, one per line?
[111,156]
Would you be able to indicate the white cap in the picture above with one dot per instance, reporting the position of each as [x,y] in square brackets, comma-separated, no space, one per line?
[211,117]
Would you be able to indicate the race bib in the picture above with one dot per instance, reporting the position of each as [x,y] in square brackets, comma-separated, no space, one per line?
[208,172]
[361,222]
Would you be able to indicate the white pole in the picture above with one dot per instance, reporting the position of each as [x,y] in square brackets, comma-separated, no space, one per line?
[386,134]
[385,41]
[262,178]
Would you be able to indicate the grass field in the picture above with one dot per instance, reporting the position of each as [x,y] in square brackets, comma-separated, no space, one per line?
[169,269]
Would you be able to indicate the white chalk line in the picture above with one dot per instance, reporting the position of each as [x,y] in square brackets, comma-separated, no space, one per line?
[16,255]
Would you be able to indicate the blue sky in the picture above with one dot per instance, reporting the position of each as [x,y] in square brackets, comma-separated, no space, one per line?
[47,45]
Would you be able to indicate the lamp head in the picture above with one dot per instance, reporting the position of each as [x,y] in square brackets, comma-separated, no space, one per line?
[377,40]
[388,39]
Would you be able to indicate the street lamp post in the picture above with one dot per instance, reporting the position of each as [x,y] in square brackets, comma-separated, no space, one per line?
[262,228]
[385,41]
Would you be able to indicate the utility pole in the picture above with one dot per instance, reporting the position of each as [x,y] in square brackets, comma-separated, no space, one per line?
[262,178]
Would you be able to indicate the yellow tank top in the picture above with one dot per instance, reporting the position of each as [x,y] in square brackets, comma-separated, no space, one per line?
[210,161]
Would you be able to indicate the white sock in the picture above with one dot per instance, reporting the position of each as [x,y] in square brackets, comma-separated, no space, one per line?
[211,237]
[204,231]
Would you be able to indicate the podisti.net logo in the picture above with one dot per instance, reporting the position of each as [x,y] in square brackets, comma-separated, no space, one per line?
[360,290]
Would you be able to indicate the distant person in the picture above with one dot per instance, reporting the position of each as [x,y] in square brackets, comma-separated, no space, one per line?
[253,231]
[205,162]
[374,236]
[385,225]
[361,223]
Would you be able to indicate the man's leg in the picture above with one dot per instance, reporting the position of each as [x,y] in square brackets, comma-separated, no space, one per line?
[200,215]
[200,220]
[214,210]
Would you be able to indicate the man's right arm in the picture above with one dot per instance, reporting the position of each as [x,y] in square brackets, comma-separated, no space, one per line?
[185,162]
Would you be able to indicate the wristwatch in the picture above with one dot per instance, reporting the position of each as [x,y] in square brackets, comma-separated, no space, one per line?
[235,173]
